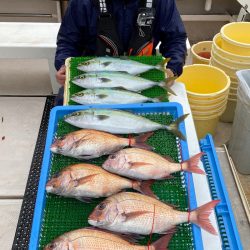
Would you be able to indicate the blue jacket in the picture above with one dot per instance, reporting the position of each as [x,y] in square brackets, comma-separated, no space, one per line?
[78,30]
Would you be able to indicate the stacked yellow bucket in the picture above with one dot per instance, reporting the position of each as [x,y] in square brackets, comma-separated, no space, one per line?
[207,89]
[231,52]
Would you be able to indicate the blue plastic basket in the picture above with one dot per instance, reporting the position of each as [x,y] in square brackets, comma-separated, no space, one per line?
[57,113]
[228,230]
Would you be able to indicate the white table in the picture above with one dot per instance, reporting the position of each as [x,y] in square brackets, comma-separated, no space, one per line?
[30,41]
[200,181]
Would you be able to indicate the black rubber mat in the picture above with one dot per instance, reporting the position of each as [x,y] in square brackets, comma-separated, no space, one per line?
[22,236]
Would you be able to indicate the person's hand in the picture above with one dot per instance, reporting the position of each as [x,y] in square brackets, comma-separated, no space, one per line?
[170,74]
[61,75]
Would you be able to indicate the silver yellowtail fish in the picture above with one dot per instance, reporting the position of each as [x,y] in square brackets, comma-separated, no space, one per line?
[106,79]
[141,164]
[86,181]
[119,122]
[89,144]
[110,96]
[133,213]
[119,64]
[96,239]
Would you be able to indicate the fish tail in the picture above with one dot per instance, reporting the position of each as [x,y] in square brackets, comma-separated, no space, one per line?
[191,165]
[167,85]
[163,242]
[144,187]
[173,127]
[162,64]
[140,141]
[200,216]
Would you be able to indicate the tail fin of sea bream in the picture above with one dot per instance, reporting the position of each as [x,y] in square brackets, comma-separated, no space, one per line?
[191,165]
[140,141]
[173,127]
[200,216]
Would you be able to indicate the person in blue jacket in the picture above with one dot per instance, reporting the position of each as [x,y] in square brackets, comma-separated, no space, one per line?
[121,27]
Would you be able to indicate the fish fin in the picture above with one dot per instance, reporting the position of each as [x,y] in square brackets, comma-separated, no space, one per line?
[102,117]
[191,165]
[102,96]
[138,164]
[163,242]
[144,187]
[173,127]
[139,141]
[104,79]
[167,84]
[84,199]
[169,158]
[200,216]
[106,64]
[162,64]
[84,180]
[119,88]
[132,215]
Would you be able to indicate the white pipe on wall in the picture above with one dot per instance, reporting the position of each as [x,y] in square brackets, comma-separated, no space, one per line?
[208,5]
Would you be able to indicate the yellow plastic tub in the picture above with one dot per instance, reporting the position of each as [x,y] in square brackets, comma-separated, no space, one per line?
[217,41]
[235,38]
[201,52]
[230,71]
[233,91]
[228,114]
[207,102]
[209,112]
[230,63]
[204,81]
[208,108]
[206,124]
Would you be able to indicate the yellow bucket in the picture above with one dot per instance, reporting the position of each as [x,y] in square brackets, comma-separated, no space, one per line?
[208,109]
[209,112]
[206,124]
[228,115]
[233,91]
[209,102]
[217,41]
[236,38]
[228,62]
[204,81]
[201,52]
[230,71]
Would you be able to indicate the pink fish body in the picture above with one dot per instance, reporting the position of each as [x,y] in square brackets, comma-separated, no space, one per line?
[145,165]
[135,213]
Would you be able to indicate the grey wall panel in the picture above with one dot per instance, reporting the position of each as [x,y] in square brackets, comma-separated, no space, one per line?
[196,7]
[32,7]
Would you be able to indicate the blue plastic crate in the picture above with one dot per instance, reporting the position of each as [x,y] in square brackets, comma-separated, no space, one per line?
[228,230]
[57,113]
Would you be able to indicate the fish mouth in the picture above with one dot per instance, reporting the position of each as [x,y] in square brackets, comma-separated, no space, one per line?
[53,148]
[92,221]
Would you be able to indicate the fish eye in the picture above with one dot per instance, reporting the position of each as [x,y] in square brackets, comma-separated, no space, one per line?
[101,206]
[81,94]
[112,156]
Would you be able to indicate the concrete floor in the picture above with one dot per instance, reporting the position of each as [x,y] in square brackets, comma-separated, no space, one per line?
[19,129]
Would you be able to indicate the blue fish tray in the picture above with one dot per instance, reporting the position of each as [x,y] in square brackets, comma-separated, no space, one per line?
[228,230]
[174,109]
